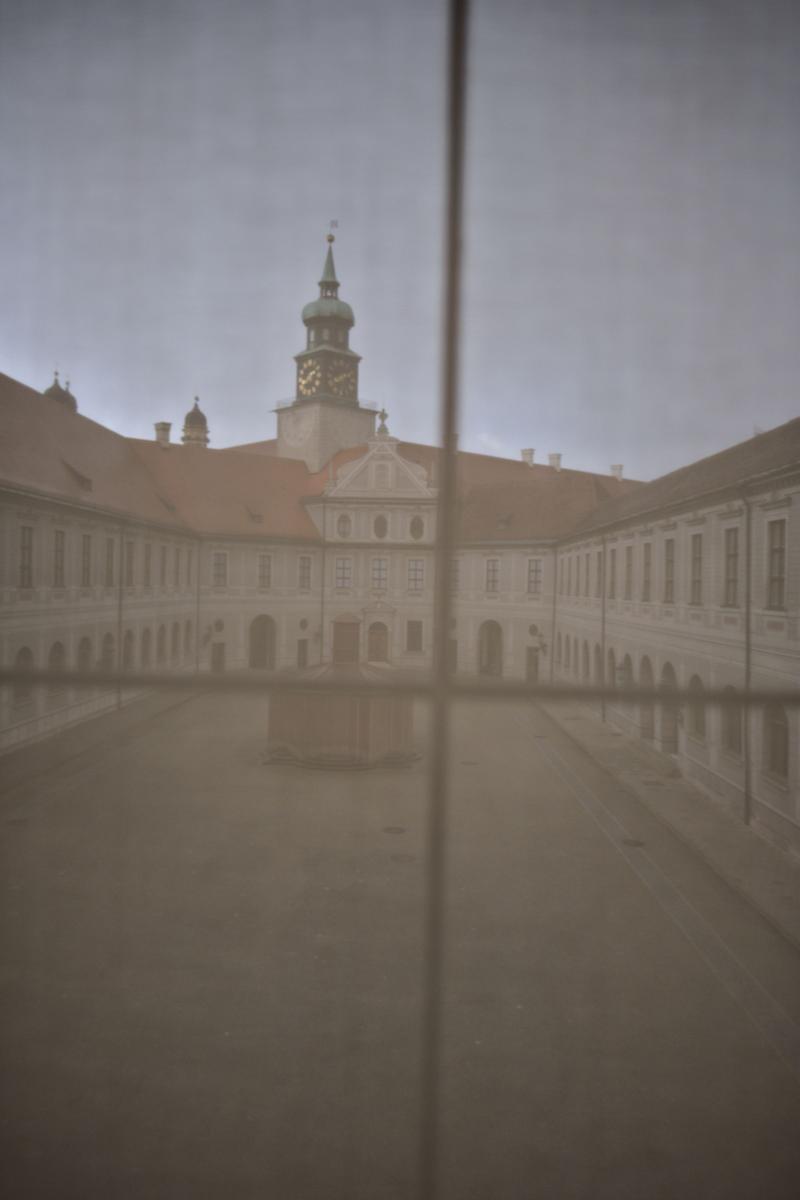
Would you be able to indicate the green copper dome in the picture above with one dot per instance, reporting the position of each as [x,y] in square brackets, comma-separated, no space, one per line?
[327,307]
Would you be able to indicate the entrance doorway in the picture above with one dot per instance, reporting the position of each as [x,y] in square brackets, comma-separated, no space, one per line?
[490,649]
[262,643]
[345,641]
[378,642]
[217,656]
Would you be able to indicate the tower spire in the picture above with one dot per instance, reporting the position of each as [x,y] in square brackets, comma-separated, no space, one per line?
[329,284]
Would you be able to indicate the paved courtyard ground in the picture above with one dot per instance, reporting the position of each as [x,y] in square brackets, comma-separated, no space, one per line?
[211,976]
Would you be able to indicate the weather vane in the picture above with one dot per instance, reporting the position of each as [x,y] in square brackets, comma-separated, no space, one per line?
[333,225]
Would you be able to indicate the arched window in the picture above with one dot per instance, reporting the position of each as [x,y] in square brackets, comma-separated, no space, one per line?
[343,526]
[161,646]
[187,638]
[84,657]
[380,526]
[566,652]
[22,693]
[56,661]
[585,669]
[107,653]
[127,650]
[144,654]
[732,724]
[558,649]
[175,647]
[696,709]
[612,669]
[776,741]
[417,528]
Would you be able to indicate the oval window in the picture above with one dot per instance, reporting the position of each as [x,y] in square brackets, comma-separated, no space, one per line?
[343,526]
[381,526]
[417,528]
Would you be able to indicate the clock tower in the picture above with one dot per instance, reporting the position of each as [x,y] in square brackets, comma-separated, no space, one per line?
[325,415]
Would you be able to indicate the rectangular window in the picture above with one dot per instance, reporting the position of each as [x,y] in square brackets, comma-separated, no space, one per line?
[304,572]
[188,566]
[577,575]
[58,558]
[163,566]
[86,560]
[561,577]
[416,574]
[534,576]
[647,571]
[696,578]
[569,576]
[587,573]
[219,574]
[344,572]
[731,568]
[669,571]
[380,575]
[26,556]
[455,574]
[264,571]
[612,574]
[776,542]
[147,567]
[177,575]
[628,572]
[109,573]
[598,579]
[493,574]
[414,635]
[130,550]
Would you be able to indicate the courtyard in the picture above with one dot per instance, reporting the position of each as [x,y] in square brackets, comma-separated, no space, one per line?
[212,975]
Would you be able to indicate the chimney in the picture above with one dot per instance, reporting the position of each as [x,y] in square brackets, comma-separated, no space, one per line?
[162,432]
[527,456]
[555,461]
[616,470]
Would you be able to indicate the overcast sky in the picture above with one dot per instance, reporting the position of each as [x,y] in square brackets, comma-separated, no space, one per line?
[169,169]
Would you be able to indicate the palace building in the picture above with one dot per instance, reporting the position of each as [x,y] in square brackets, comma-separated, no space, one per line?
[317,547]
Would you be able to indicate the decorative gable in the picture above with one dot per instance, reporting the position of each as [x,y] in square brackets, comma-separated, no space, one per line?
[381,473]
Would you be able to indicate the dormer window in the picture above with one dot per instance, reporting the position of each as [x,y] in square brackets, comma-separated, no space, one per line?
[381,526]
[326,335]
[343,526]
[417,528]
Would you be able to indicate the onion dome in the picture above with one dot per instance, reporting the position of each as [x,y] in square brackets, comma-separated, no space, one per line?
[195,426]
[62,394]
[328,306]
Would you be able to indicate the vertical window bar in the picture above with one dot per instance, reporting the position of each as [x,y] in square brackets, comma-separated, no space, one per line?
[429,1140]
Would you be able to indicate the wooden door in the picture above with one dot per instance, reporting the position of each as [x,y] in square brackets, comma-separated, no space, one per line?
[345,641]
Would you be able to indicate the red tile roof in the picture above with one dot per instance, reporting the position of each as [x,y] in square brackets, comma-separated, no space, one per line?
[762,455]
[247,491]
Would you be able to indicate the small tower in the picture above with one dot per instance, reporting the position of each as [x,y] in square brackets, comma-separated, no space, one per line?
[326,415]
[62,394]
[195,426]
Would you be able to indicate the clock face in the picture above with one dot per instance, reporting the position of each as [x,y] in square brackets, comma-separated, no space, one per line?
[309,378]
[342,377]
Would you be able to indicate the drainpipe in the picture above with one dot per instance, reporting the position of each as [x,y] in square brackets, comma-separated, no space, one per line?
[748,668]
[197,565]
[322,583]
[555,595]
[120,584]
[604,664]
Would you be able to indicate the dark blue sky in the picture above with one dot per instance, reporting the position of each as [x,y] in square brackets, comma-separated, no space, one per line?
[169,169]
